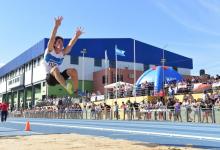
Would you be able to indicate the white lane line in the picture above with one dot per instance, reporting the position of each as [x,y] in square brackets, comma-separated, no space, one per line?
[19,133]
[171,125]
[14,130]
[8,129]
[126,131]
[30,132]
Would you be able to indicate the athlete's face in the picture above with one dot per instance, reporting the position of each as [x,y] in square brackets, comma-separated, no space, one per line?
[58,45]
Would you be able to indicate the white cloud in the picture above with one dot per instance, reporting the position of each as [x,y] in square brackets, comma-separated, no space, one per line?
[196,21]
[212,6]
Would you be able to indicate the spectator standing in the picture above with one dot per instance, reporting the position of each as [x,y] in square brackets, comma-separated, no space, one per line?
[170,107]
[137,110]
[116,107]
[195,109]
[4,111]
[177,111]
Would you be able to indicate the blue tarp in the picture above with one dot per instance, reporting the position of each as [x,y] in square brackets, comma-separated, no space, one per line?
[158,75]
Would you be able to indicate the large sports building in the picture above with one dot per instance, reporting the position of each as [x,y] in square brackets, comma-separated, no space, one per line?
[22,80]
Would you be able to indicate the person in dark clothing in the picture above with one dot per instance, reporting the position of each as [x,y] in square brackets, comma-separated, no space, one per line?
[107,110]
[4,111]
[130,111]
[170,107]
[137,110]
[116,110]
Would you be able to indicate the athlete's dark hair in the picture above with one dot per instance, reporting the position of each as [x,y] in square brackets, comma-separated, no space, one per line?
[57,38]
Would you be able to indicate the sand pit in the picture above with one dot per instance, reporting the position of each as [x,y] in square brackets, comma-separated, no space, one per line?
[75,142]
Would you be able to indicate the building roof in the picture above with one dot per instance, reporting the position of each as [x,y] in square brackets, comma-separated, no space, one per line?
[23,58]
[145,53]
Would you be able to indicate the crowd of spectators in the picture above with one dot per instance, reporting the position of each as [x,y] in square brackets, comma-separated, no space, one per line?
[198,110]
[187,85]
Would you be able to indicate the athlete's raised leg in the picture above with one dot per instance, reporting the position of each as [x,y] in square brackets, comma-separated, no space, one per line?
[72,73]
[56,73]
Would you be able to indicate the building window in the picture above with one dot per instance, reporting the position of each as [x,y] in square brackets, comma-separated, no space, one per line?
[19,71]
[34,63]
[131,76]
[43,84]
[29,66]
[119,78]
[98,62]
[146,67]
[38,61]
[112,64]
[104,79]
[26,67]
[74,60]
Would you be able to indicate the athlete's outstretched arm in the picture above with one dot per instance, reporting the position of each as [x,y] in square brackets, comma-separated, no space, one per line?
[79,31]
[58,21]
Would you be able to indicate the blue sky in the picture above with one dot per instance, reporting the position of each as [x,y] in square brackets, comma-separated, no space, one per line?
[189,28]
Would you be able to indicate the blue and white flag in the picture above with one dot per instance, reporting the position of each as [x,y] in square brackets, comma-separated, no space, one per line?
[119,51]
[106,56]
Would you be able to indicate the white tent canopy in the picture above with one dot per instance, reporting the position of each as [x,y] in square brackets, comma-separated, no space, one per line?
[111,86]
[217,84]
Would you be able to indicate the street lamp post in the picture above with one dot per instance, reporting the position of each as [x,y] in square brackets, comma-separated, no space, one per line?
[83,52]
[163,60]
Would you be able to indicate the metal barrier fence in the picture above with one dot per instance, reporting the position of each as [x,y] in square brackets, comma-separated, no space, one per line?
[149,91]
[184,115]
[142,91]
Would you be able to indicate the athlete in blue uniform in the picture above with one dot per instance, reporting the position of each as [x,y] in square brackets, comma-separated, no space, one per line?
[53,58]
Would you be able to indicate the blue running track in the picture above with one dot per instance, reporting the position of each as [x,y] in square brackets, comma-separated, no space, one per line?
[206,136]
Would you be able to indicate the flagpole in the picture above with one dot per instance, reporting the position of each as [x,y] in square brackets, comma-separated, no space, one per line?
[120,53]
[163,64]
[134,70]
[106,76]
[116,94]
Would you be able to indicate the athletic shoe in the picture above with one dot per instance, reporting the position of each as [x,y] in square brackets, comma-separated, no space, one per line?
[69,88]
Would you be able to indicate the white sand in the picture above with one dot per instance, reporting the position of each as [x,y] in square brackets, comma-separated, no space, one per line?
[75,142]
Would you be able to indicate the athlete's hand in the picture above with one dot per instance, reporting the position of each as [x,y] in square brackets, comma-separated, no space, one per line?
[79,31]
[58,21]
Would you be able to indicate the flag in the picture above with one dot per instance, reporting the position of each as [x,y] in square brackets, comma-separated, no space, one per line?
[119,51]
[106,56]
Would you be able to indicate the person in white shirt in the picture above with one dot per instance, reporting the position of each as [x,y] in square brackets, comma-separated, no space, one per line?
[53,58]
